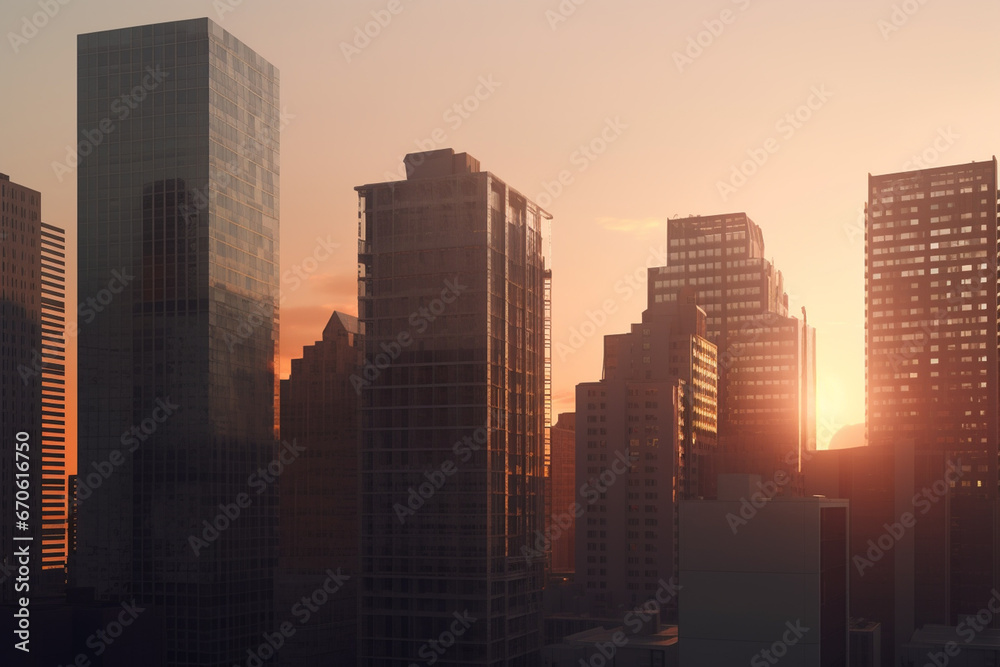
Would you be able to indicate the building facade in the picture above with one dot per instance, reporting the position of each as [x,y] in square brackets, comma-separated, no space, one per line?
[318,497]
[451,304]
[178,263]
[767,359]
[931,328]
[763,588]
[562,480]
[644,433]
[32,376]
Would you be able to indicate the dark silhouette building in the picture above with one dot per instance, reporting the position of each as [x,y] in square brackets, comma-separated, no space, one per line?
[452,285]
[32,383]
[644,432]
[562,480]
[765,585]
[924,491]
[178,263]
[318,497]
[767,359]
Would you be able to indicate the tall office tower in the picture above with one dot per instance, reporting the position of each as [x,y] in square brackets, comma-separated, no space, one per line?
[644,432]
[451,300]
[32,376]
[53,376]
[765,589]
[931,326]
[318,499]
[178,261]
[562,481]
[767,359]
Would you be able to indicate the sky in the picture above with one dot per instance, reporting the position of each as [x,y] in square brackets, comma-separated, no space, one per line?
[615,116]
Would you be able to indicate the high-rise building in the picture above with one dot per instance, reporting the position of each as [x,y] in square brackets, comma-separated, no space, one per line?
[318,498]
[765,585]
[562,480]
[644,432]
[932,335]
[54,517]
[451,297]
[767,359]
[178,265]
[32,377]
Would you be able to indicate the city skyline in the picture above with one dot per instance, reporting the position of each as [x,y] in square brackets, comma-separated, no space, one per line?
[847,129]
[438,312]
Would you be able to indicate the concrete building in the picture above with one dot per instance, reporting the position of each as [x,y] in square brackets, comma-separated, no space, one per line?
[767,359]
[178,256]
[318,497]
[32,379]
[452,285]
[763,578]
[644,431]
[562,480]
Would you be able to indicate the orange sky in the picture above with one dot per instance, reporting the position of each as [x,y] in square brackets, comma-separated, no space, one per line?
[883,86]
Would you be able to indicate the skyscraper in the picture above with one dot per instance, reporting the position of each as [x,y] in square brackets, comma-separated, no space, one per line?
[644,432]
[932,335]
[451,301]
[767,359]
[318,499]
[178,263]
[32,374]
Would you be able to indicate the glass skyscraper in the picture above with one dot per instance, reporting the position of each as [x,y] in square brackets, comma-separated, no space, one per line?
[452,307]
[178,262]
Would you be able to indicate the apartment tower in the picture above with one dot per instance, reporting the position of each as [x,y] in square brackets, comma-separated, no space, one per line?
[932,335]
[644,433]
[452,287]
